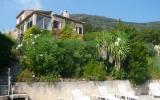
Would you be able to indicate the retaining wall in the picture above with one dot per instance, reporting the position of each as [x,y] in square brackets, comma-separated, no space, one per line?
[63,90]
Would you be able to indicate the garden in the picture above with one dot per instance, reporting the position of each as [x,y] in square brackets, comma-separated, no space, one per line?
[124,53]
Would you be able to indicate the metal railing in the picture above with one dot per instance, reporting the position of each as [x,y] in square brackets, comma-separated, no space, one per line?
[9,81]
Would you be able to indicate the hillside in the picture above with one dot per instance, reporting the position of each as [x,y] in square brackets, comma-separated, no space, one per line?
[104,23]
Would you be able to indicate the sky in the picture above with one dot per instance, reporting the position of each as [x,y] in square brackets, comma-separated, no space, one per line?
[126,10]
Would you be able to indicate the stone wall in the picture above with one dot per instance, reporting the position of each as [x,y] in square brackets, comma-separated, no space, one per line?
[63,90]
[143,89]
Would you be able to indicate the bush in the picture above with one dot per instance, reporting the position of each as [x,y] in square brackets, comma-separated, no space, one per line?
[49,78]
[39,55]
[94,70]
[48,57]
[25,76]
[34,31]
[91,36]
[138,69]
[117,74]
[139,74]
[68,33]
[154,67]
[75,54]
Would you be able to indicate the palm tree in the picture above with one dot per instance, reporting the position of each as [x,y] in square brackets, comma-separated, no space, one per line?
[103,41]
[119,49]
[116,46]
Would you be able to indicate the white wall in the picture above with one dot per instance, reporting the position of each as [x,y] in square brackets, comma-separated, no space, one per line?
[61,20]
[24,15]
[51,91]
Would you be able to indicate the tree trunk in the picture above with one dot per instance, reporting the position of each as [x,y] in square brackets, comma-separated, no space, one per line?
[117,64]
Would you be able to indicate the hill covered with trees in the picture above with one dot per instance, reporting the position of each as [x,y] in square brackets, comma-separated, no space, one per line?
[96,23]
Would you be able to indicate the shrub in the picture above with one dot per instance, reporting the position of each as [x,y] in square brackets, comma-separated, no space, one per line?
[34,31]
[51,57]
[94,70]
[154,67]
[68,33]
[39,55]
[91,36]
[49,78]
[47,56]
[138,69]
[25,76]
[139,74]
[117,74]
[74,55]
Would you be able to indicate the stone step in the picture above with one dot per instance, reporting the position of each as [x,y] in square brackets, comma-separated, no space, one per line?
[5,72]
[3,87]
[4,83]
[3,97]
[4,92]
[3,80]
[3,76]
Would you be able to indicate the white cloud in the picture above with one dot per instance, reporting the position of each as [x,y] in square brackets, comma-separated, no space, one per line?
[30,4]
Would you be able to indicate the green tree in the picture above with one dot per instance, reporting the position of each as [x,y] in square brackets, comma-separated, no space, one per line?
[39,54]
[75,54]
[115,46]
[6,45]
[138,65]
[47,56]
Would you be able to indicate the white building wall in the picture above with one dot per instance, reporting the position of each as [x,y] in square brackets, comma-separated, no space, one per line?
[60,20]
[23,16]
[34,19]
[79,26]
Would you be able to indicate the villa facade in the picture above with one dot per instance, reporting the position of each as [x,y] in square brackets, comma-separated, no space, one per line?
[46,20]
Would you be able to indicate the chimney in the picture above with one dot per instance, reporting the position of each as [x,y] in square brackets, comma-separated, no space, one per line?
[65,14]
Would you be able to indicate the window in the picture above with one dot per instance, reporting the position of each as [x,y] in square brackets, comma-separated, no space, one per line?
[55,24]
[43,22]
[47,23]
[68,22]
[20,19]
[22,27]
[29,24]
[80,30]
[76,29]
[40,21]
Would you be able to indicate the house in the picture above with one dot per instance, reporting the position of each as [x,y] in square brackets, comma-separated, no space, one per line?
[46,20]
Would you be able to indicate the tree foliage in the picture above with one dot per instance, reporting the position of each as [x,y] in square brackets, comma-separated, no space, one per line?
[5,49]
[121,53]
[94,70]
[114,47]
[34,31]
[39,54]
[68,33]
[138,65]
[47,56]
